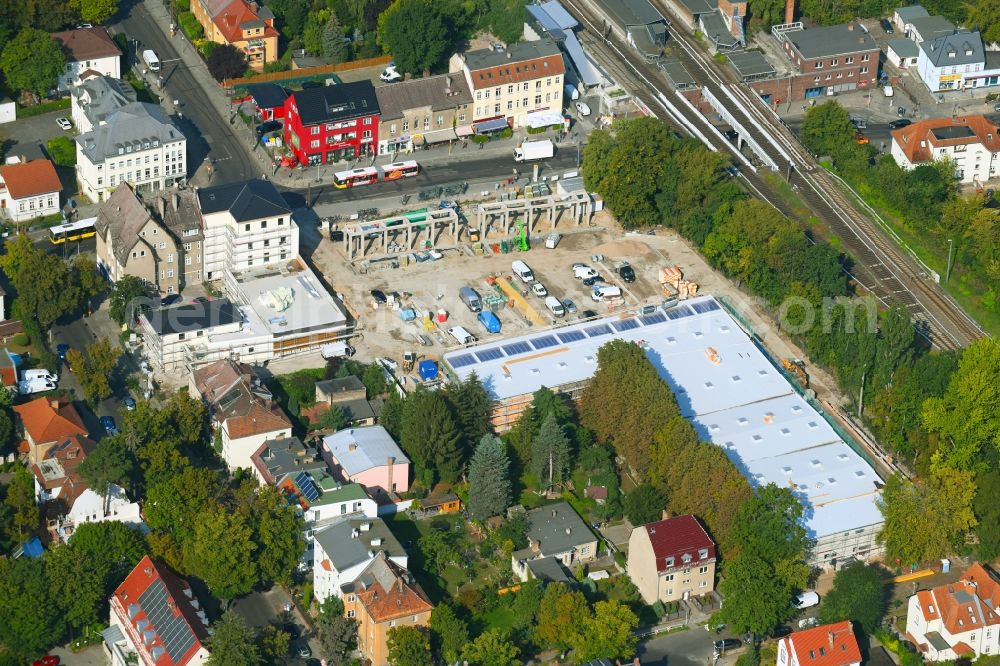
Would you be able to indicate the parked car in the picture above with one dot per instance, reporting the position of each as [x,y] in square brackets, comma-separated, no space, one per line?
[379,296]
[887,26]
[269,126]
[169,299]
[108,423]
[591,281]
[727,644]
[389,74]
[64,124]
[627,273]
[61,350]
[539,290]
[582,108]
[781,632]
[996,107]
[900,124]
[304,651]
[569,305]
[583,272]
[128,402]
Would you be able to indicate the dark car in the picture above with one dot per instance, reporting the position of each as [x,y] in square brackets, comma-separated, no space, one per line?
[292,630]
[887,26]
[108,424]
[781,632]
[379,296]
[627,273]
[590,282]
[61,350]
[269,126]
[727,644]
[128,402]
[900,124]
[169,299]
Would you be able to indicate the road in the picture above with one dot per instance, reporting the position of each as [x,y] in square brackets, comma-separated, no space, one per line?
[201,123]
[880,266]
[692,647]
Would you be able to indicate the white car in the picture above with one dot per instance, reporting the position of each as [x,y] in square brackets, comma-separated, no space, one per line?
[539,290]
[64,124]
[390,75]
[582,108]
[583,272]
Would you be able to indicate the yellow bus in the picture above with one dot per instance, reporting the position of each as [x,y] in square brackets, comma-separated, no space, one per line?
[73,231]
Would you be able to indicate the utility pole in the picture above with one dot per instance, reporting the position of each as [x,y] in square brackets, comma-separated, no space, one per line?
[947,272]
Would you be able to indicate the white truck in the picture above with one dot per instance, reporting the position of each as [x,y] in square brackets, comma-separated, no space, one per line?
[151,59]
[38,385]
[337,350]
[529,151]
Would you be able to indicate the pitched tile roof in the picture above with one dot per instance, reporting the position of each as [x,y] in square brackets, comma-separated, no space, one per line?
[29,179]
[160,614]
[215,379]
[50,419]
[231,19]
[133,127]
[965,605]
[446,91]
[825,645]
[247,200]
[348,543]
[120,220]
[918,140]
[677,538]
[524,61]
[388,591]
[955,49]
[360,449]
[57,473]
[87,43]
[330,104]
[258,419]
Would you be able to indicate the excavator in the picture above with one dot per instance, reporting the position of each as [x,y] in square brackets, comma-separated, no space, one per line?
[522,236]
[797,369]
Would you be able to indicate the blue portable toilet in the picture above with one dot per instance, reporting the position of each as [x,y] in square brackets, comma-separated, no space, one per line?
[428,370]
[489,321]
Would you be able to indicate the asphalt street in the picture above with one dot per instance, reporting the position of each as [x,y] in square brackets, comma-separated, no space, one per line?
[206,133]
[692,647]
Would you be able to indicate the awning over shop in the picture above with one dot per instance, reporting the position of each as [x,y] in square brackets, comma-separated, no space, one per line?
[544,119]
[494,125]
[464,130]
[398,140]
[434,136]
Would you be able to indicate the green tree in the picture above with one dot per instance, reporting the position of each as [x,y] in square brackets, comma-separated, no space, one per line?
[86,276]
[471,405]
[944,500]
[77,587]
[62,151]
[20,500]
[277,533]
[417,34]
[95,371]
[550,454]
[439,548]
[221,552]
[227,62]
[374,380]
[233,642]
[338,638]
[766,13]
[449,633]
[430,435]
[491,648]
[507,19]
[312,31]
[769,567]
[408,645]
[128,294]
[333,44]
[32,61]
[489,479]
[645,504]
[826,128]
[858,594]
[109,463]
[273,643]
[33,620]
[333,419]
[110,548]
[43,282]
[987,510]
[98,11]
[562,614]
[986,15]
[967,416]
[608,633]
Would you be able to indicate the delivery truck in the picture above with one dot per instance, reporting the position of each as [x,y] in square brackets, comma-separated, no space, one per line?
[534,150]
[151,59]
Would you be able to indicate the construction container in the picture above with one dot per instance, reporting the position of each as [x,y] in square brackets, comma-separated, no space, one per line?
[442,316]
[427,369]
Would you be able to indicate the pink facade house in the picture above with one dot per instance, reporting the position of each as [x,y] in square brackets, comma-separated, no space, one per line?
[368,456]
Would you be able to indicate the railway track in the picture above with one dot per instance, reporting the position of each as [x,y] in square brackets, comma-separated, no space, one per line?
[880,266]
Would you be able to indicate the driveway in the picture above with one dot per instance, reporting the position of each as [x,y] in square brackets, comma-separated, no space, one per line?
[692,647]
[28,136]
[261,608]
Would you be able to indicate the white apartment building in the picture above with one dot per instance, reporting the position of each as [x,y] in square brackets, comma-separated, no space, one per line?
[87,50]
[345,549]
[960,619]
[138,145]
[246,225]
[956,61]
[95,98]
[511,85]
[972,143]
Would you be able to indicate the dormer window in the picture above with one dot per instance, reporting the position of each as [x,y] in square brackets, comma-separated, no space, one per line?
[703,553]
[669,561]
[930,608]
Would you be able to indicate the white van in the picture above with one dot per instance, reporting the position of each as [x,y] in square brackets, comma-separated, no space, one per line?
[39,373]
[522,271]
[604,293]
[461,335]
[337,350]
[552,240]
[807,599]
[35,386]
[887,91]
[555,306]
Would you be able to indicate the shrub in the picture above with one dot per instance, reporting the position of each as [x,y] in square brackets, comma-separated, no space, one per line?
[276,66]
[506,133]
[190,26]
[480,138]
[62,150]
[205,48]
[20,340]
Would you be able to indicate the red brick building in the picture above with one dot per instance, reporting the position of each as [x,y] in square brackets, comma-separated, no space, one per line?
[324,125]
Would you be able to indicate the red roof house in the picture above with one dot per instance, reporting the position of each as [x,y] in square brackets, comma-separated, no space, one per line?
[825,645]
[46,422]
[155,616]
[29,190]
[659,552]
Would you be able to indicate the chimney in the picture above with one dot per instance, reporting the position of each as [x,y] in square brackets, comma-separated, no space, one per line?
[55,404]
[830,637]
[353,446]
[509,55]
[850,27]
[177,201]
[789,11]
[535,546]
[162,205]
[554,513]
[389,460]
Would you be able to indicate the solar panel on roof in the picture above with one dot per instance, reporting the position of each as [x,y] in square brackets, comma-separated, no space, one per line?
[491,354]
[307,486]
[596,331]
[173,630]
[679,312]
[543,342]
[705,306]
[462,360]
[516,348]
[623,325]
[655,318]
[570,336]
